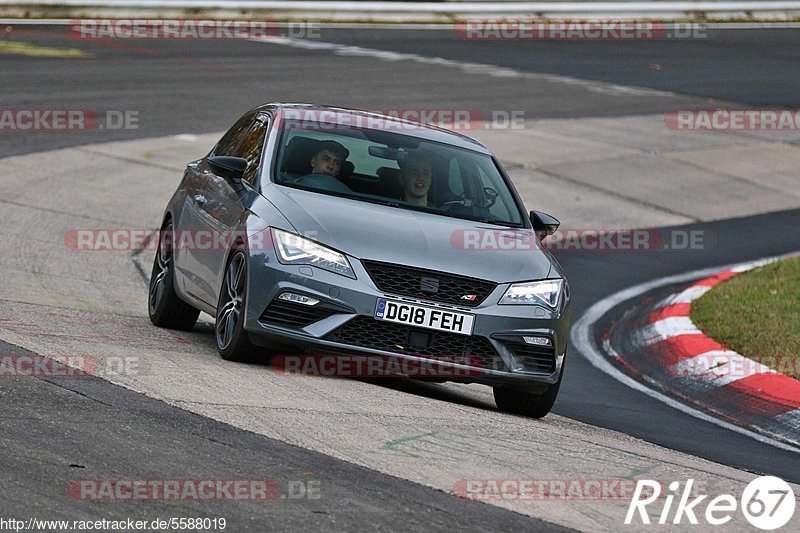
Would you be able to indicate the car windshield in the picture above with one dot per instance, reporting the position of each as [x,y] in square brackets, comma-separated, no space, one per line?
[395,169]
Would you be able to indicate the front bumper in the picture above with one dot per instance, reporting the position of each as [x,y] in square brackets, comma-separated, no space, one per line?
[495,354]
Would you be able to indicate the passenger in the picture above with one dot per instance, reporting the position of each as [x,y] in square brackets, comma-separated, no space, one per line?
[415,178]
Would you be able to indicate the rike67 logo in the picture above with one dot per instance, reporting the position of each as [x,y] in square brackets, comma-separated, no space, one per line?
[767,503]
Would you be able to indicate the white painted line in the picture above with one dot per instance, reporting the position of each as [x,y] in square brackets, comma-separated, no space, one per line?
[464,66]
[582,337]
[685,296]
[669,327]
[745,268]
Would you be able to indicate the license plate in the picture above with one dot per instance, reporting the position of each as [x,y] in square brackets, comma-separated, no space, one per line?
[424,317]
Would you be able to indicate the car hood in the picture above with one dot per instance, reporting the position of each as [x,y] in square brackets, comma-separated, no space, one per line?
[393,235]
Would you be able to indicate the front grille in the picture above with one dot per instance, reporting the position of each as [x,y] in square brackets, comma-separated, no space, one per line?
[534,358]
[294,315]
[366,332]
[407,281]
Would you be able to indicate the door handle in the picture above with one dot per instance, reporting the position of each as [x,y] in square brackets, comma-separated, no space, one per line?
[199,199]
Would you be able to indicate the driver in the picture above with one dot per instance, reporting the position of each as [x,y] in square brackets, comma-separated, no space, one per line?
[326,166]
[328,159]
[415,178]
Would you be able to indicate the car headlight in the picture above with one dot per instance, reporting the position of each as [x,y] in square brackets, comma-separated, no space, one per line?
[546,292]
[292,249]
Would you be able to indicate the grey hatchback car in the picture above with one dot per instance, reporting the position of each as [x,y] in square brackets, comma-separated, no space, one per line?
[321,230]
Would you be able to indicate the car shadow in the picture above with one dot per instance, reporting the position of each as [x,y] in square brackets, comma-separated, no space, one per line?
[433,391]
[418,387]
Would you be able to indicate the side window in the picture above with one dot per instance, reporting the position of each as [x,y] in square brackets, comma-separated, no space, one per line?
[252,146]
[230,141]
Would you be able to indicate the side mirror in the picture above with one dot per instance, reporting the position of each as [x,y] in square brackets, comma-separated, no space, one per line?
[230,168]
[544,224]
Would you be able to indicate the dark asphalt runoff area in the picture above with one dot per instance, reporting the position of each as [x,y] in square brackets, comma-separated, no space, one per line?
[60,431]
[54,430]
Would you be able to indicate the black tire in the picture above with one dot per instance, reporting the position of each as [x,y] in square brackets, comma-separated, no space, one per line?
[523,403]
[166,310]
[233,343]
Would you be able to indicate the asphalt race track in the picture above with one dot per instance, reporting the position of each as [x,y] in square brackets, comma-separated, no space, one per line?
[385,454]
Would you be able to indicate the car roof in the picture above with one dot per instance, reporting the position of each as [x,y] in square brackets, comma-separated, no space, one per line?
[342,115]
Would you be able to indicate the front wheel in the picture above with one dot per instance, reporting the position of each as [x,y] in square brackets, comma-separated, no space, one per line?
[523,403]
[233,344]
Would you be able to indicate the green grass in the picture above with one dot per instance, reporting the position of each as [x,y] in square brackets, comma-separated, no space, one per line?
[35,50]
[757,314]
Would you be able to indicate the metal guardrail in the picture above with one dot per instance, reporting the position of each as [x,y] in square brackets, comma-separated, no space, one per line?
[438,10]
